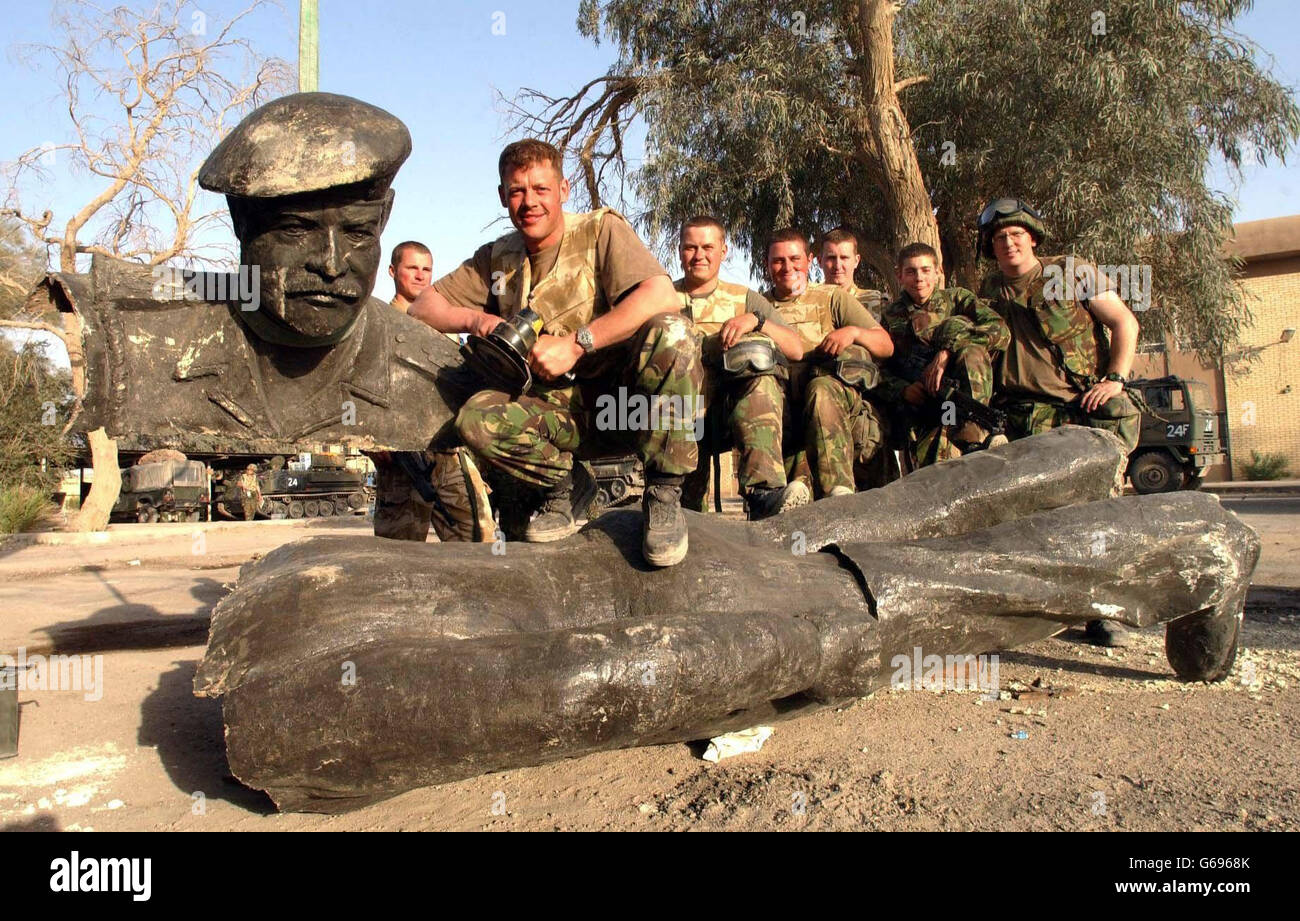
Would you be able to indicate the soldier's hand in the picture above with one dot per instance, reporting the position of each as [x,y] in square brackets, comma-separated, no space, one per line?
[914,393]
[484,323]
[554,356]
[839,340]
[932,377]
[1099,393]
[736,327]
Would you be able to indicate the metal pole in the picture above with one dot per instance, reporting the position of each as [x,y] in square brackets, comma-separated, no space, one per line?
[308,46]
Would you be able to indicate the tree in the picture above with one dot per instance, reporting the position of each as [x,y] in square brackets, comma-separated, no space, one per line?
[767,117]
[147,95]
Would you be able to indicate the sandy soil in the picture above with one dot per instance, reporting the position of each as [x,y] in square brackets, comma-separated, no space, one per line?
[1111,741]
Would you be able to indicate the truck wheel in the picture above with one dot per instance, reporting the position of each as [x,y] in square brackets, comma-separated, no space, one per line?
[1192,481]
[1154,472]
[295,509]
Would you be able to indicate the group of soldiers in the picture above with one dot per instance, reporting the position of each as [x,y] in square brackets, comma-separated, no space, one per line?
[815,386]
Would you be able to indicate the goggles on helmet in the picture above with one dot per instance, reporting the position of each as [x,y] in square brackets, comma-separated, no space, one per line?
[1005,207]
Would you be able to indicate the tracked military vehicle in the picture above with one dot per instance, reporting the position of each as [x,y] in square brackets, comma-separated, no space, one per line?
[308,486]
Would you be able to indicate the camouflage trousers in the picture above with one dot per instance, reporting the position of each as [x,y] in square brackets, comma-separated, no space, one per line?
[749,411]
[250,507]
[843,430]
[1118,415]
[654,405]
[461,511]
[971,371]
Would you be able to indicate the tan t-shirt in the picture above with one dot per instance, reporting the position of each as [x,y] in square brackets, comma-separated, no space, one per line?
[622,263]
[1029,366]
[845,311]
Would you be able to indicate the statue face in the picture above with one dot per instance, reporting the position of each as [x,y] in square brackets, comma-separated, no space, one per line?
[318,260]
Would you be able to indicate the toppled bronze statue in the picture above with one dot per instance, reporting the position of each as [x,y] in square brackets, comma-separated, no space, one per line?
[291,348]
[353,670]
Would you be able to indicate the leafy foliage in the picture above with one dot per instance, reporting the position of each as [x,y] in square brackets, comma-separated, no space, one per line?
[1273,466]
[756,114]
[35,399]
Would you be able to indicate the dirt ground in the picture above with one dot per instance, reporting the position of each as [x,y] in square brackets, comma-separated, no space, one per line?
[1110,739]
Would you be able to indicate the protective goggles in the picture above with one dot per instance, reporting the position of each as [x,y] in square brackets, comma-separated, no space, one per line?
[1005,207]
[751,355]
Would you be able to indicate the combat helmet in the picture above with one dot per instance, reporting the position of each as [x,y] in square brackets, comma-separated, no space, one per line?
[1005,212]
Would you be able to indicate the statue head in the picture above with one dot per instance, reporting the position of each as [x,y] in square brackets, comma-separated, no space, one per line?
[307,180]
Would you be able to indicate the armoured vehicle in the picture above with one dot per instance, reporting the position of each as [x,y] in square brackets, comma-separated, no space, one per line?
[1180,439]
[164,490]
[308,486]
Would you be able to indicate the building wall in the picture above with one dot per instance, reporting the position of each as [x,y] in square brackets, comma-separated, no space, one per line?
[1263,396]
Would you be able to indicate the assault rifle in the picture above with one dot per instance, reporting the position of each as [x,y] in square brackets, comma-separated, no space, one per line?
[911,368]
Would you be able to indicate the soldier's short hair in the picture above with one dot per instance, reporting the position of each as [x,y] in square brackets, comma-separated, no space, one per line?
[840,235]
[788,235]
[702,220]
[529,152]
[400,249]
[915,250]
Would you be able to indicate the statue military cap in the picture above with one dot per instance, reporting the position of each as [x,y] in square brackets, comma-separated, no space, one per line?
[308,142]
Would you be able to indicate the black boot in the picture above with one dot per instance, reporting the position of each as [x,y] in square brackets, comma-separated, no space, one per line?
[555,519]
[663,529]
[763,503]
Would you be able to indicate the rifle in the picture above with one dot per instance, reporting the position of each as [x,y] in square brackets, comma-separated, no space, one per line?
[911,368]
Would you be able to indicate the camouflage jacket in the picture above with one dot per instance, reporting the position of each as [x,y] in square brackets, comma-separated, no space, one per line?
[953,318]
[1079,342]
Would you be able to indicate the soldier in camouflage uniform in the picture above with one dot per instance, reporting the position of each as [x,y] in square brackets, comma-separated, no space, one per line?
[745,404]
[839,259]
[610,316]
[1072,346]
[250,492]
[964,334]
[841,428]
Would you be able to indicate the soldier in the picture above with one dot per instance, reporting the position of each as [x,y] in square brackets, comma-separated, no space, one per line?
[746,402]
[939,335]
[1072,341]
[459,508]
[839,260]
[841,427]
[610,316]
[411,269]
[250,492]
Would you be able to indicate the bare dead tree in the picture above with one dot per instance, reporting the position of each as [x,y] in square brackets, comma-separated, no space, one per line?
[147,95]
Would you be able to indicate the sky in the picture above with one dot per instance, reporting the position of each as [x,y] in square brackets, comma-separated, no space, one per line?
[439,66]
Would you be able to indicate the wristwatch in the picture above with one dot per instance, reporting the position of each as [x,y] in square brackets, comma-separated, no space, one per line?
[585,341]
[1115,376]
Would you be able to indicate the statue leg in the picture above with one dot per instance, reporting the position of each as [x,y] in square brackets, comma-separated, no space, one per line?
[400,512]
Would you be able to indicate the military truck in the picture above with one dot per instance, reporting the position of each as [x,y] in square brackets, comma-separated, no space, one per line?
[1180,438]
[172,489]
[306,486]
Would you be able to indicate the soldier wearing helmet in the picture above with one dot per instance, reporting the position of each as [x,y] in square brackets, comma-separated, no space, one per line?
[1072,344]
[250,492]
